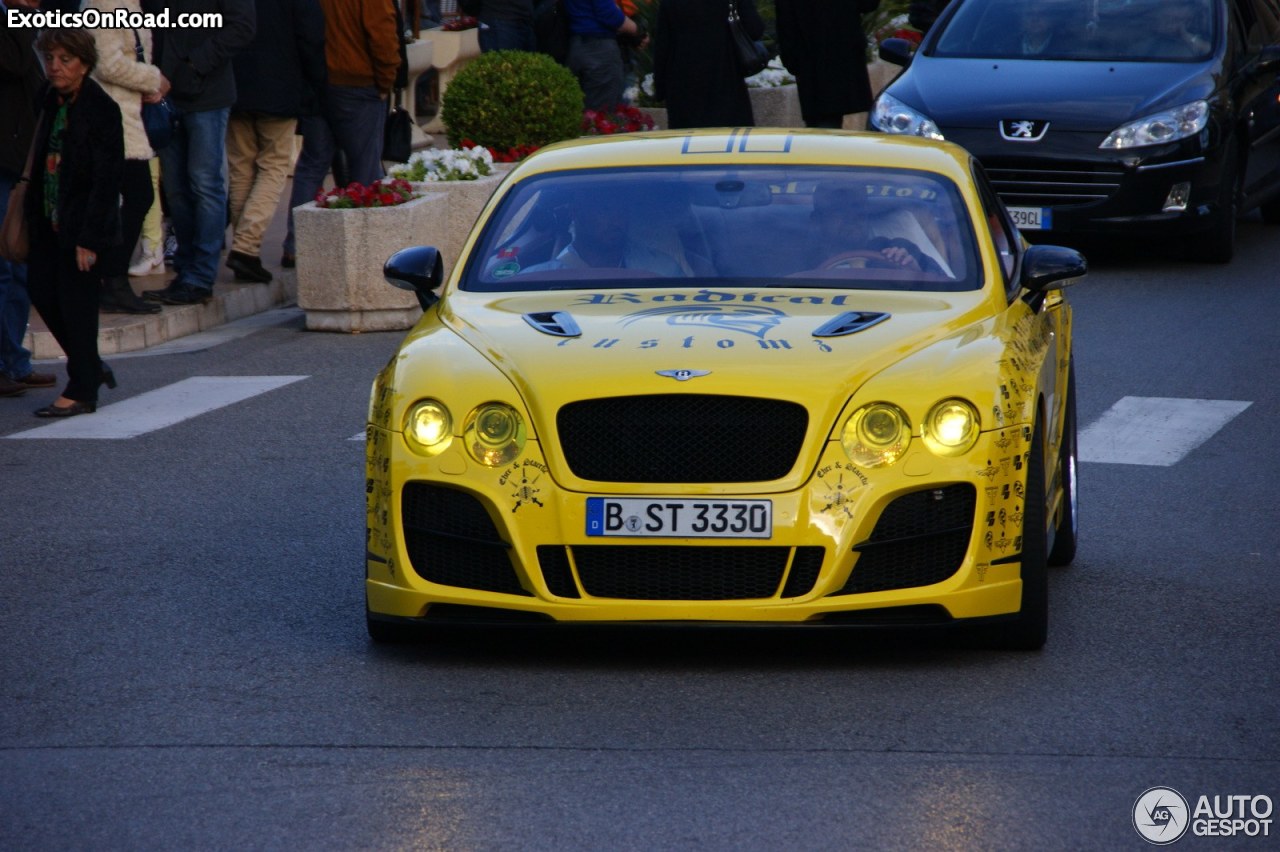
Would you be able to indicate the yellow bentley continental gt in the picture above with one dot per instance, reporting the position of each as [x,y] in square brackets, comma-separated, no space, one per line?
[736,376]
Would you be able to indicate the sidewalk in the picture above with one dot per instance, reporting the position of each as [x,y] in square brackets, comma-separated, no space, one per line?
[231,301]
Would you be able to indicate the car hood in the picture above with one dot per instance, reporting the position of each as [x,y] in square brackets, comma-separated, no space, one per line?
[729,341]
[1085,96]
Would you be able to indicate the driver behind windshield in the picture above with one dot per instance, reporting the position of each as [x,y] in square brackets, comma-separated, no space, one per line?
[845,224]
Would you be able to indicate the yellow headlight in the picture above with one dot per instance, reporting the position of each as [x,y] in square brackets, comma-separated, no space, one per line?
[428,428]
[951,428]
[875,435]
[494,434]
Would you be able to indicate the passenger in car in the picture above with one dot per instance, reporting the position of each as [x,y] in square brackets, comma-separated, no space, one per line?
[1172,33]
[603,239]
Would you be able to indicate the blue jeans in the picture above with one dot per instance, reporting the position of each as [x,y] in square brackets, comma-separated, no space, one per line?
[313,164]
[15,303]
[507,35]
[193,169]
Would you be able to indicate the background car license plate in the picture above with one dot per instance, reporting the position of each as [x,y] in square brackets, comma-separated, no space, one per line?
[1032,218]
[653,517]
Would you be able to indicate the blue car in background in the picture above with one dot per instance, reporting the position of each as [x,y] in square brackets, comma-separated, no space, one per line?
[1156,117]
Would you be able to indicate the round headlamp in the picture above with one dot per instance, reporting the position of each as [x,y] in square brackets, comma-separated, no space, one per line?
[950,428]
[428,427]
[876,435]
[494,434]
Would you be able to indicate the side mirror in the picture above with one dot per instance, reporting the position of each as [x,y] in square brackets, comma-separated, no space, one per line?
[897,51]
[1046,268]
[418,269]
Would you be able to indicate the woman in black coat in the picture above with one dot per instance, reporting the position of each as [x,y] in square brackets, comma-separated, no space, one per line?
[823,46]
[695,69]
[73,210]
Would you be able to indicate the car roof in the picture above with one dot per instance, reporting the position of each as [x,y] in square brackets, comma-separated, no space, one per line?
[751,146]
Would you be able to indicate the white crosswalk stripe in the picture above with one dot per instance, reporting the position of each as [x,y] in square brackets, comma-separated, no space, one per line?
[160,408]
[1155,431]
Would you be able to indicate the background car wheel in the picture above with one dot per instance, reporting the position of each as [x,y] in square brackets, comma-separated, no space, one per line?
[1271,212]
[1219,244]
[1030,628]
[1066,532]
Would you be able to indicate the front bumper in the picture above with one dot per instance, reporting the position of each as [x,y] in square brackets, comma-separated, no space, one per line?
[926,535]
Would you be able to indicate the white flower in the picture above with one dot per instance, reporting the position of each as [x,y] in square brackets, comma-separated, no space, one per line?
[434,164]
[774,74]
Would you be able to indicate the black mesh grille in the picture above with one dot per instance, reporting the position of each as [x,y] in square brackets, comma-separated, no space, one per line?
[804,571]
[681,438]
[554,562]
[452,540]
[675,573]
[920,539]
[1044,184]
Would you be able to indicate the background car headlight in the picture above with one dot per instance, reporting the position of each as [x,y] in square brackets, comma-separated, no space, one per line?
[1168,126]
[950,428]
[428,427]
[494,434]
[876,435]
[891,115]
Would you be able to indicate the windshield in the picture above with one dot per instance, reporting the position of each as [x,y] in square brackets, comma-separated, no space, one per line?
[756,226]
[1102,30]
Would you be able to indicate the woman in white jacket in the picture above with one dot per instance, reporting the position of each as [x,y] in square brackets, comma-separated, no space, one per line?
[124,70]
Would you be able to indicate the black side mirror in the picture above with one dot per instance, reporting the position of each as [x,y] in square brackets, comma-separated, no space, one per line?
[418,269]
[897,51]
[1046,268]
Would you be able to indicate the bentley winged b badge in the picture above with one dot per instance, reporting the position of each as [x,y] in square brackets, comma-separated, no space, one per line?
[683,375]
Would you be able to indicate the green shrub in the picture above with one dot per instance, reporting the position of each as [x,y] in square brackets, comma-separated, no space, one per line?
[509,98]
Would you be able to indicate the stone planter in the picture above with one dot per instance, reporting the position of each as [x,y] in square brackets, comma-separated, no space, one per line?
[776,106]
[340,258]
[659,116]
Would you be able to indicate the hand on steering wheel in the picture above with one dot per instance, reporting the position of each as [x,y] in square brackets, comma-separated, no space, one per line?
[874,260]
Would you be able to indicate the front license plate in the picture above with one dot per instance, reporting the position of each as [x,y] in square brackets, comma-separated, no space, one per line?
[1032,218]
[642,517]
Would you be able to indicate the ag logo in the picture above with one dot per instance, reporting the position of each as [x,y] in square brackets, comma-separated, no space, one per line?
[1161,815]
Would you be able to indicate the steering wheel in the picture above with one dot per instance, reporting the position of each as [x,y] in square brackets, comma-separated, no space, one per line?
[875,260]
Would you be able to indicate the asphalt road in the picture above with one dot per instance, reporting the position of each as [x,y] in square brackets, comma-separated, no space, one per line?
[185,663]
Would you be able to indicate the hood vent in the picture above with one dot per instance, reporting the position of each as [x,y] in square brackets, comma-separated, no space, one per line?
[850,322]
[554,323]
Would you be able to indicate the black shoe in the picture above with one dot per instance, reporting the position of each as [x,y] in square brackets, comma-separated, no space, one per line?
[288,260]
[248,268]
[106,377]
[8,387]
[67,410]
[117,297]
[180,293]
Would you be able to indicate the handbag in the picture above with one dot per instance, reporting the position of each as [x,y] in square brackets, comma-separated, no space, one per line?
[751,54]
[397,134]
[15,238]
[159,120]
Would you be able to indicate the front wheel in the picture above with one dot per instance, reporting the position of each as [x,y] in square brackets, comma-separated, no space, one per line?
[1066,532]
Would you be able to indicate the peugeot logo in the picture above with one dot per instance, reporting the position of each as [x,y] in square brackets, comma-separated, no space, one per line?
[1023,130]
[683,375]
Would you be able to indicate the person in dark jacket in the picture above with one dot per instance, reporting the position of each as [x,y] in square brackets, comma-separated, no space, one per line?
[20,83]
[505,24]
[193,171]
[695,68]
[73,211]
[595,57]
[277,78]
[823,45]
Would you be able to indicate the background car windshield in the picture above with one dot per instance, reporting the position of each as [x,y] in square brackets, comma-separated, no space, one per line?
[1101,30]
[808,226]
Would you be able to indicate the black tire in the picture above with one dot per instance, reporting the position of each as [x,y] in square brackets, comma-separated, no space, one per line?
[1271,212]
[1029,629]
[1067,532]
[1219,242]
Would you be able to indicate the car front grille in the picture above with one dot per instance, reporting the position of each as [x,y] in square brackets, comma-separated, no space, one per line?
[678,573]
[1024,183]
[681,438]
[920,539]
[453,541]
